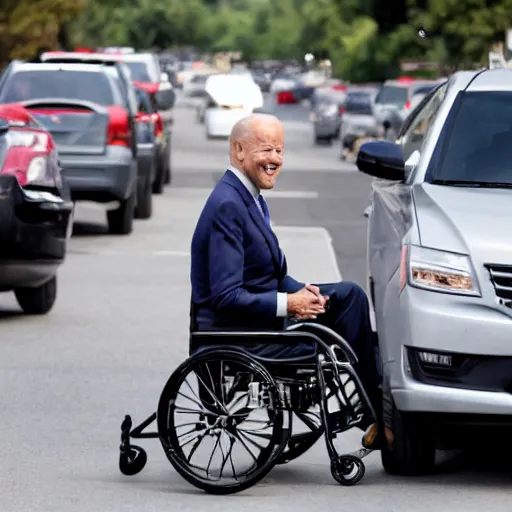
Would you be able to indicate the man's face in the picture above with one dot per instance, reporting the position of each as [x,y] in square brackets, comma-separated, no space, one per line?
[261,155]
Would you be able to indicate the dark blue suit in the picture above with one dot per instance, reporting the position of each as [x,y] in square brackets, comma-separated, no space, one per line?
[238,268]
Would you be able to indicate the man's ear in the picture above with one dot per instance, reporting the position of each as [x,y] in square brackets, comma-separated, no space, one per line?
[239,151]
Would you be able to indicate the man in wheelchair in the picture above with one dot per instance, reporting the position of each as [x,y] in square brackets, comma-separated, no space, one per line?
[266,350]
[239,273]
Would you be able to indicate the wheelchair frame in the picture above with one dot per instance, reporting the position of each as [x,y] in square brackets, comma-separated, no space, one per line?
[334,358]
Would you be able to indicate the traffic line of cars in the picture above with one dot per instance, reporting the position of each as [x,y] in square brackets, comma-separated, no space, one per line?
[76,126]
[352,112]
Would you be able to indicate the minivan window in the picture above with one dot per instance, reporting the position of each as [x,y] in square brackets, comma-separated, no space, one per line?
[46,83]
[392,95]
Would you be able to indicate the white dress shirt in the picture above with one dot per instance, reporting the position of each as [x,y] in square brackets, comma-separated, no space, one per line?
[282,298]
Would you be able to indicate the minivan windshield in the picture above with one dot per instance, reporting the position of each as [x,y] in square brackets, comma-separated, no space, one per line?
[475,146]
[49,83]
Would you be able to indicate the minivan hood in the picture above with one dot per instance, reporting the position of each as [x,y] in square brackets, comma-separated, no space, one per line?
[473,221]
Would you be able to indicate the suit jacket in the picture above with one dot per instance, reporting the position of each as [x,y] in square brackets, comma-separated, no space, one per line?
[237,265]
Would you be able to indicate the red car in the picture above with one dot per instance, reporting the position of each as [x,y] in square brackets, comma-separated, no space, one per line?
[36,211]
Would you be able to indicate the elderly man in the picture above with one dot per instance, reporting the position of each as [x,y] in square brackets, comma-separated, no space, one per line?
[239,273]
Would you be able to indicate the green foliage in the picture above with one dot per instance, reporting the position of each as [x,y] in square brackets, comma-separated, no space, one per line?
[364,39]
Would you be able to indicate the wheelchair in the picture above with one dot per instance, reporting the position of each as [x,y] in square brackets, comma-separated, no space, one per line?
[225,404]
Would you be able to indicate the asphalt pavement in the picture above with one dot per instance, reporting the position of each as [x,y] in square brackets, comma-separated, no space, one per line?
[120,327]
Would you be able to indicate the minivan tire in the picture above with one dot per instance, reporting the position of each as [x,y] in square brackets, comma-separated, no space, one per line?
[38,300]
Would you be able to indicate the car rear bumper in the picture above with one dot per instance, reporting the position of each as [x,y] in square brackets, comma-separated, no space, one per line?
[100,178]
[34,229]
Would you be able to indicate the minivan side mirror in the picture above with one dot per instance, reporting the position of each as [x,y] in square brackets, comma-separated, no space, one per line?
[382,159]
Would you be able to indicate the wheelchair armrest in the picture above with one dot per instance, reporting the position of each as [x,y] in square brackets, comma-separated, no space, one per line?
[257,337]
[327,336]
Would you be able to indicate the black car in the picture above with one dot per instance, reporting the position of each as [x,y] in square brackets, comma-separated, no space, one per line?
[83,108]
[35,211]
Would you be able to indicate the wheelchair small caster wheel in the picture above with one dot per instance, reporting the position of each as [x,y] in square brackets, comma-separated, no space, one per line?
[132,460]
[347,469]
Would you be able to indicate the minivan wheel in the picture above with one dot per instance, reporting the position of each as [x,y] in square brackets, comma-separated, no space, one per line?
[414,447]
[38,300]
[120,221]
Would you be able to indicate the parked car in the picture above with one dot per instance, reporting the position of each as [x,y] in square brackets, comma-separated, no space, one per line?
[326,118]
[327,105]
[392,103]
[440,268]
[149,138]
[122,72]
[83,108]
[357,118]
[231,97]
[36,211]
[147,74]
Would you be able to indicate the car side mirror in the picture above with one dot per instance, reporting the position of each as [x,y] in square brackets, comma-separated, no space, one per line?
[382,159]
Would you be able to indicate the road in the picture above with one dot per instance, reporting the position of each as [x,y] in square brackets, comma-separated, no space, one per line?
[120,327]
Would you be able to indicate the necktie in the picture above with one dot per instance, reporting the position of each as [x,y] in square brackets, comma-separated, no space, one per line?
[264,209]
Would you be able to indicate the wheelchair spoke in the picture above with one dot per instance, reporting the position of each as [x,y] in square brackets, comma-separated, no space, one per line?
[186,410]
[237,435]
[211,456]
[191,389]
[210,392]
[199,404]
[248,439]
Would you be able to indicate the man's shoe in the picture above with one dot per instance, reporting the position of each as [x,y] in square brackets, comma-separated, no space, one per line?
[370,439]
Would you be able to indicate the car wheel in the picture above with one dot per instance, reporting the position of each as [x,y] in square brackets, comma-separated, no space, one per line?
[38,300]
[168,171]
[144,208]
[120,221]
[413,451]
[158,184]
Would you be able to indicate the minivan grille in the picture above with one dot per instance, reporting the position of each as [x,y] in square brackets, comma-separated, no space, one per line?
[501,276]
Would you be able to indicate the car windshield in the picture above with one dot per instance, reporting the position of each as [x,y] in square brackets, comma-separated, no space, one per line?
[139,71]
[359,103]
[45,83]
[475,146]
[392,95]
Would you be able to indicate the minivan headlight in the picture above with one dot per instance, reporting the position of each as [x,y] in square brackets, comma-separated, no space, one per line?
[438,271]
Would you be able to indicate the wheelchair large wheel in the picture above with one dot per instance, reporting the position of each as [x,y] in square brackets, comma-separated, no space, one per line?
[214,422]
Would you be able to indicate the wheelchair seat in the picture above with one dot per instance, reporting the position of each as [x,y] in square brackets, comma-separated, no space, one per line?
[305,332]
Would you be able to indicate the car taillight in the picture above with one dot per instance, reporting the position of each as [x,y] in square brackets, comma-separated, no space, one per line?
[285,97]
[27,157]
[407,106]
[341,110]
[159,127]
[119,132]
